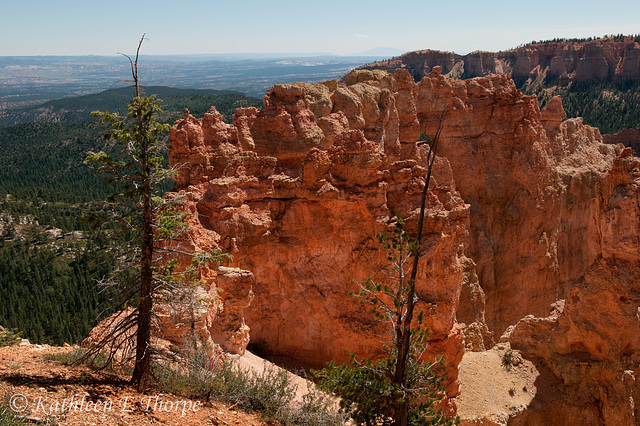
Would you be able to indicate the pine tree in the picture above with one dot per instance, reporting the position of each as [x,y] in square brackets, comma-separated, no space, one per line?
[149,223]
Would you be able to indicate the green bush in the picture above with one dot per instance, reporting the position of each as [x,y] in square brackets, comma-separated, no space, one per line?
[8,338]
[98,361]
[507,360]
[67,357]
[270,393]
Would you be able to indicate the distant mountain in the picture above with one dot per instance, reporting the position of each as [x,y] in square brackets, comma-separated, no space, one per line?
[598,79]
[386,52]
[79,108]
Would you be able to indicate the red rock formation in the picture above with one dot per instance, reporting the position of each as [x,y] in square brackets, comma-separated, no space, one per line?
[629,138]
[590,343]
[549,213]
[301,210]
[566,62]
[554,216]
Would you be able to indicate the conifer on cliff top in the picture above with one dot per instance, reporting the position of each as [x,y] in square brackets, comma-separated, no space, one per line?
[150,260]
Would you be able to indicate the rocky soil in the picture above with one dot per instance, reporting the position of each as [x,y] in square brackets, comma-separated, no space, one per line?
[495,386]
[491,390]
[40,387]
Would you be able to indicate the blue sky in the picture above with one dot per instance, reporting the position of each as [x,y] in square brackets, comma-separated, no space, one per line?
[73,27]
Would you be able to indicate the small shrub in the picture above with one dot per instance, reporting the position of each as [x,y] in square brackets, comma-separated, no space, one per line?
[507,360]
[512,392]
[317,410]
[8,338]
[98,361]
[66,358]
[271,393]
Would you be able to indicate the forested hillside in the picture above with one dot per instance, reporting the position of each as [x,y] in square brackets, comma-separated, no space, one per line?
[48,287]
[611,107]
[50,257]
[79,108]
[44,160]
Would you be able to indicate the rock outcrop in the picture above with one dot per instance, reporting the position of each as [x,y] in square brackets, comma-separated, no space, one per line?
[629,138]
[589,343]
[298,204]
[533,65]
[526,210]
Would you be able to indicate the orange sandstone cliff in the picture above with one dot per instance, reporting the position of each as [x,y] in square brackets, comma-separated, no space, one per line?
[532,228]
[534,65]
[297,191]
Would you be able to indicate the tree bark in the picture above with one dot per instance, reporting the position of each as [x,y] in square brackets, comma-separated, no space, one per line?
[142,369]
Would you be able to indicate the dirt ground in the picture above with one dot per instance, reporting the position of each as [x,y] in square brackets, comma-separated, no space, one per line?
[79,396]
[492,391]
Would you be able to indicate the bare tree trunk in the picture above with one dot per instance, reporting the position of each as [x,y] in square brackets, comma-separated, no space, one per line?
[403,327]
[402,414]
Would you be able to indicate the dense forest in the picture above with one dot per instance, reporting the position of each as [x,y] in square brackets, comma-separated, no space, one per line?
[44,160]
[50,256]
[49,290]
[609,106]
[78,109]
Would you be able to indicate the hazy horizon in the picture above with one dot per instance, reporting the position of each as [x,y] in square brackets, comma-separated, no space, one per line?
[233,55]
[80,28]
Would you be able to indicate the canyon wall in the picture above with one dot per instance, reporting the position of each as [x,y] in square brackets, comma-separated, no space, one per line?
[561,63]
[628,137]
[528,212]
[296,193]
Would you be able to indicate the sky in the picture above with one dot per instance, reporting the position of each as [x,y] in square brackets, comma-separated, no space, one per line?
[87,27]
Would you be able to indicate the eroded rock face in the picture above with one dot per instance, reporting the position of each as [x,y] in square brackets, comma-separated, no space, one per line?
[525,209]
[554,215]
[298,204]
[534,65]
[590,342]
[629,138]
